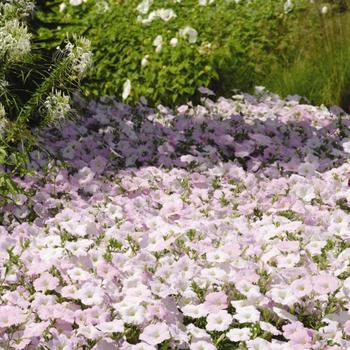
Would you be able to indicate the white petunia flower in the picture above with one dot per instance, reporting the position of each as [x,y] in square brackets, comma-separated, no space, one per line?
[190,33]
[218,321]
[239,334]
[173,42]
[247,314]
[158,42]
[126,89]
[143,7]
[346,146]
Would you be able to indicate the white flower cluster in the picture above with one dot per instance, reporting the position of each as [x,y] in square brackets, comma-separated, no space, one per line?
[14,40]
[11,9]
[57,106]
[14,36]
[3,84]
[81,55]
[164,14]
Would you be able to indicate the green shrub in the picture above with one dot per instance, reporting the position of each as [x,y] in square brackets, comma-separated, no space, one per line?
[219,44]
[34,87]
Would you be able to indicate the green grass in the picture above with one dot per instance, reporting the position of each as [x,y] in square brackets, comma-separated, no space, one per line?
[321,70]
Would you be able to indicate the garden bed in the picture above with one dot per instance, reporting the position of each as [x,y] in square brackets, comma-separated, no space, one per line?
[218,226]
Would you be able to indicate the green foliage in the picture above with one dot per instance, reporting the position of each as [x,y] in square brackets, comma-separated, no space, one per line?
[34,88]
[321,70]
[237,43]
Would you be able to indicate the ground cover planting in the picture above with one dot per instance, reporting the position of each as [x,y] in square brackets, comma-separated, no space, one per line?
[154,195]
[218,226]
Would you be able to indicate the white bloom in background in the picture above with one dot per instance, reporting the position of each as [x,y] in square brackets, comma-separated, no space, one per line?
[143,7]
[174,42]
[62,7]
[346,146]
[126,89]
[76,2]
[288,6]
[158,42]
[205,2]
[239,334]
[14,40]
[324,10]
[145,61]
[166,14]
[151,17]
[190,33]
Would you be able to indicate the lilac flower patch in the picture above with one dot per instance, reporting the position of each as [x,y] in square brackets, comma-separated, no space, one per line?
[219,226]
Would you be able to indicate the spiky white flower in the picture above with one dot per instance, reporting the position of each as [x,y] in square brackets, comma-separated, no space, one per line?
[57,106]
[81,54]
[14,40]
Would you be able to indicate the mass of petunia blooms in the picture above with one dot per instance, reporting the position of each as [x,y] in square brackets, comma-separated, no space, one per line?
[219,226]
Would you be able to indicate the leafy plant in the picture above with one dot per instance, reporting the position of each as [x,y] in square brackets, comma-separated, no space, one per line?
[165,50]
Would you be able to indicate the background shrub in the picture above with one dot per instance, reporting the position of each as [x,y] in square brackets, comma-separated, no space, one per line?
[219,44]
